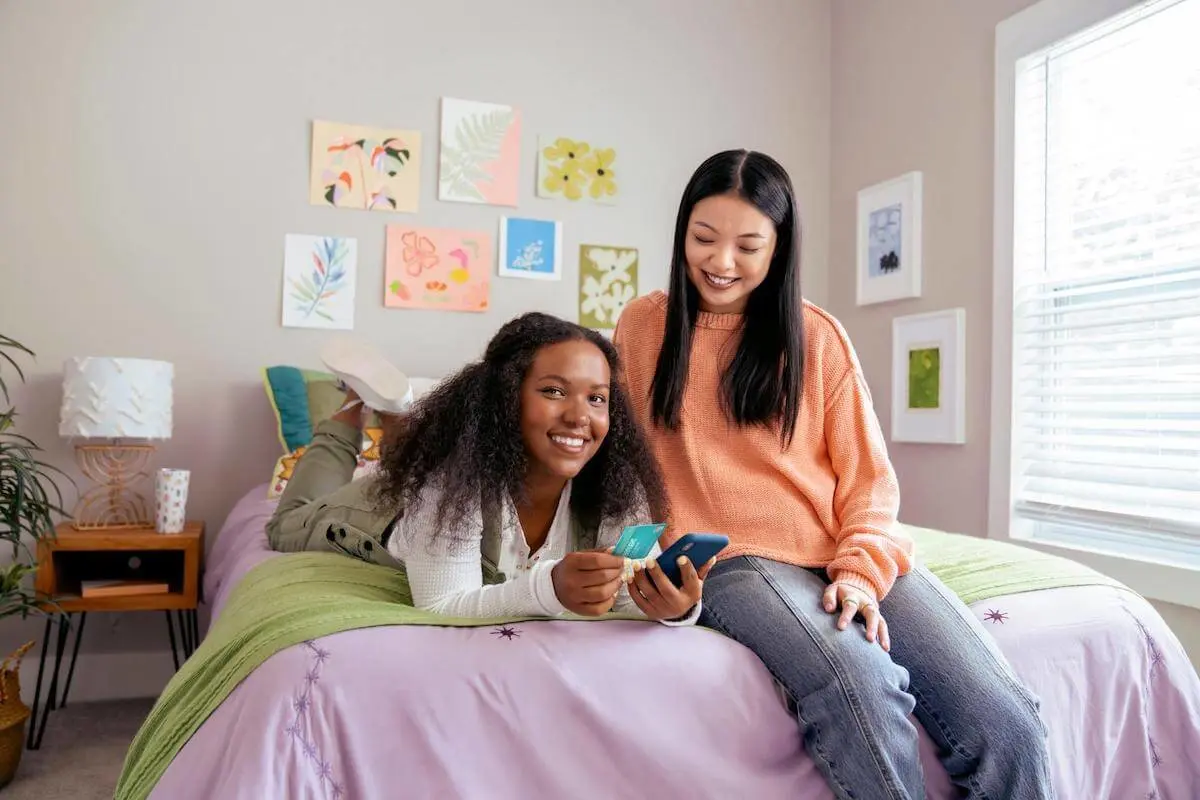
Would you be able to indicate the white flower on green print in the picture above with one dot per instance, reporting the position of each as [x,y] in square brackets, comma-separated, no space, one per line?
[612,264]
[605,303]
[617,298]
[610,286]
[593,299]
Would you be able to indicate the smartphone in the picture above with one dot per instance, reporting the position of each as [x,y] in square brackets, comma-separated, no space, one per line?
[698,547]
[638,540]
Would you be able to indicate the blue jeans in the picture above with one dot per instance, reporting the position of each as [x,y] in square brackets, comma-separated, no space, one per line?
[854,700]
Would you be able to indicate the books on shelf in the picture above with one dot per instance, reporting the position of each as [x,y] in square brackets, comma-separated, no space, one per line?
[121,588]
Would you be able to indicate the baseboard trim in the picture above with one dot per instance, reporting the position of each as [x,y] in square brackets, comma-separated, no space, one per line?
[102,676]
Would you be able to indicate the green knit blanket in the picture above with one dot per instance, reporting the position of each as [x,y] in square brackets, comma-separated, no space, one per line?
[979,569]
[299,597]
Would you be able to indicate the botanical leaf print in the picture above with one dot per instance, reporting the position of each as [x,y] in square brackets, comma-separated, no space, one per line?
[476,141]
[318,285]
[327,277]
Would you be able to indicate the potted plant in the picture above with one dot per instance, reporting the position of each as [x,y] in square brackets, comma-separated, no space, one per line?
[30,500]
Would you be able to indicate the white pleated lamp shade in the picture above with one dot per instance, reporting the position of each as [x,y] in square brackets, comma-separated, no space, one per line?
[116,398]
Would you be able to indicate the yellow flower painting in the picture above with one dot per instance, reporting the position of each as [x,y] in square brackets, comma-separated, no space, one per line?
[573,169]
[563,180]
[602,181]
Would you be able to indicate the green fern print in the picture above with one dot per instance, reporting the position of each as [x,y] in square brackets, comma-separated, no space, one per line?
[477,141]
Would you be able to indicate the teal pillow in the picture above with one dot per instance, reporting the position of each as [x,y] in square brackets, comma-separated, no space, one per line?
[302,399]
[288,392]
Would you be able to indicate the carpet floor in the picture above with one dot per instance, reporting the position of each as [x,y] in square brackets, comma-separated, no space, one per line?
[81,754]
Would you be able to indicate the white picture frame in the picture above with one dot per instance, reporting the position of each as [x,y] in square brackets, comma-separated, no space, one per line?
[929,377]
[889,240]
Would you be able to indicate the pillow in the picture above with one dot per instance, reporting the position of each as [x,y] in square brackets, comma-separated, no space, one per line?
[302,398]
[286,465]
[288,393]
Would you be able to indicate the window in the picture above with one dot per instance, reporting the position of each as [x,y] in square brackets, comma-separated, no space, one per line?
[1104,390]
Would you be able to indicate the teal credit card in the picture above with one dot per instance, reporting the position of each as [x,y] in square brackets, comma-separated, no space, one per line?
[638,540]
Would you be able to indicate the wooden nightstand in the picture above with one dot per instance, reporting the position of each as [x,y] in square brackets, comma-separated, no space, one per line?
[74,558]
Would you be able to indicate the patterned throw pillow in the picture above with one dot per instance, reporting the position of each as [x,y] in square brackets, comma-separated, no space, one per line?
[368,462]
[302,398]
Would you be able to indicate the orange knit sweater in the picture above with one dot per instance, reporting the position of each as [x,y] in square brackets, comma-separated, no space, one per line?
[829,500]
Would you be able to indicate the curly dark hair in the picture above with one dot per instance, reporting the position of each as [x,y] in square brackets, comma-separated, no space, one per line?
[466,434]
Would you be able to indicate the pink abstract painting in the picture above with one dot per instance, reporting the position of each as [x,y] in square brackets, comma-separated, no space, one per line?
[434,268]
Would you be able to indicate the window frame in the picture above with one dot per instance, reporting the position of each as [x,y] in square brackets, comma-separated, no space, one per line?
[1037,27]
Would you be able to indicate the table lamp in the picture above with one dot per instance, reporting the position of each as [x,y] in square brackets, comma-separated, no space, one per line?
[118,399]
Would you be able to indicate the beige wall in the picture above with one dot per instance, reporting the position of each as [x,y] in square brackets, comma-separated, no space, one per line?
[913,90]
[156,153]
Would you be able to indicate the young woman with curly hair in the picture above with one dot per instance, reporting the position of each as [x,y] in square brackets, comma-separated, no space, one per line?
[502,490]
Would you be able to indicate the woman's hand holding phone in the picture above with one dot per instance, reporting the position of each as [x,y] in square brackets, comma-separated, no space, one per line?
[586,581]
[658,597]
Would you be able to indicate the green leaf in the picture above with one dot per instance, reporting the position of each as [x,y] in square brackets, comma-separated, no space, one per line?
[329,193]
[31,500]
[304,295]
[12,344]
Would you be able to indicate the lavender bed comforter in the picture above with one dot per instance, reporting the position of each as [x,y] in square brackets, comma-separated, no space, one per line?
[624,709]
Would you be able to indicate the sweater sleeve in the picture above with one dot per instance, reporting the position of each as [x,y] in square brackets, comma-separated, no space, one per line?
[871,551]
[445,575]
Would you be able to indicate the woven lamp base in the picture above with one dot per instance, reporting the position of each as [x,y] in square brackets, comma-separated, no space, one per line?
[113,502]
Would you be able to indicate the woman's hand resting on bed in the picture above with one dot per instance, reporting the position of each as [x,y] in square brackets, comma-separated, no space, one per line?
[660,599]
[586,581]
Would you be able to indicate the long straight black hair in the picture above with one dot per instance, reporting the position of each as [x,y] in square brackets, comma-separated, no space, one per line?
[764,381]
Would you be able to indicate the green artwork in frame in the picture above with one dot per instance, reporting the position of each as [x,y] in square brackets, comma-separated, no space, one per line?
[608,277]
[924,378]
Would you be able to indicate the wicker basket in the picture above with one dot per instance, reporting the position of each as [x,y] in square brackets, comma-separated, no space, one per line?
[13,713]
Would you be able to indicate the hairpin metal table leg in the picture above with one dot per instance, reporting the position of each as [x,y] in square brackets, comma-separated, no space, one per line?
[187,644]
[37,687]
[74,658]
[37,727]
[194,614]
[171,634]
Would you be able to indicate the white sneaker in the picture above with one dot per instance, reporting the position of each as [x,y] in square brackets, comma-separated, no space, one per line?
[364,369]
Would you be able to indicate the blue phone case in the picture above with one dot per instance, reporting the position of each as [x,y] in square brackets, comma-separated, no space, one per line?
[638,540]
[698,547]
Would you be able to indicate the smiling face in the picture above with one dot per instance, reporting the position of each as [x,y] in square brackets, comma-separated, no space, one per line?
[728,250]
[564,407]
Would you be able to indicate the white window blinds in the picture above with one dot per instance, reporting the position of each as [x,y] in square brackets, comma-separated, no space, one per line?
[1106,380]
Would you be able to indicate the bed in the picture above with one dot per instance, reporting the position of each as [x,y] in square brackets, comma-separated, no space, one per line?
[624,709]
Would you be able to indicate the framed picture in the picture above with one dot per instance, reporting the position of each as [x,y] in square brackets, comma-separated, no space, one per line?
[531,248]
[929,377]
[889,241]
